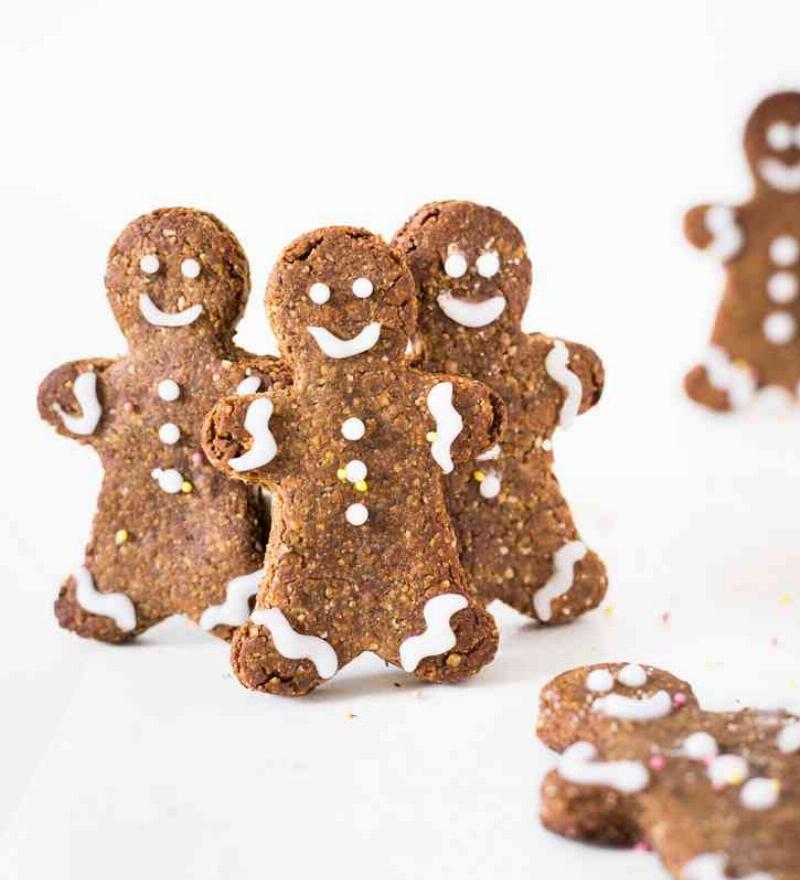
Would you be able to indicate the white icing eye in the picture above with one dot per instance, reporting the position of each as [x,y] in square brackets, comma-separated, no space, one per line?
[780,135]
[362,288]
[488,264]
[149,264]
[455,265]
[190,268]
[319,293]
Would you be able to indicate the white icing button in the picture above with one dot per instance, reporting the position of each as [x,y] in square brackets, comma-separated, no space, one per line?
[782,287]
[784,250]
[455,265]
[599,681]
[700,746]
[759,793]
[319,293]
[356,514]
[788,740]
[169,433]
[780,328]
[353,428]
[149,264]
[169,390]
[355,471]
[728,770]
[190,268]
[779,136]
[488,264]
[632,675]
[169,480]
[362,288]
[490,486]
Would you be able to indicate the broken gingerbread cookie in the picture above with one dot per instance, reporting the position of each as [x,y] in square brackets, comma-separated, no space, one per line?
[362,555]
[715,794]
[755,342]
[516,535]
[170,534]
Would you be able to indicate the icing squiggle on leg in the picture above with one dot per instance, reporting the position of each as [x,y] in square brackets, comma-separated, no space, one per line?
[294,645]
[557,365]
[438,636]
[564,561]
[264,448]
[85,390]
[736,381]
[448,423]
[234,610]
[117,606]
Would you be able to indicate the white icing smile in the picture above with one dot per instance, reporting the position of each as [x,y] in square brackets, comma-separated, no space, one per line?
[154,315]
[779,175]
[334,347]
[471,314]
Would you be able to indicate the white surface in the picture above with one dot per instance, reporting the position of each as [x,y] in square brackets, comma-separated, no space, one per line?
[591,125]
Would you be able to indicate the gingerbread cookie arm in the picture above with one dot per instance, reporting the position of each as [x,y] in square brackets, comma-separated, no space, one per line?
[466,416]
[715,229]
[72,399]
[242,436]
[576,371]
[256,374]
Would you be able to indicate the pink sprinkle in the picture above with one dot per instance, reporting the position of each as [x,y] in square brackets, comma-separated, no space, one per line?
[774,641]
[679,699]
[642,846]
[665,617]
[127,406]
[657,763]
[197,458]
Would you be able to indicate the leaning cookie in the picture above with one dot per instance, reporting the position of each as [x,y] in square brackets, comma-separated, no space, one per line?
[715,794]
[170,535]
[362,555]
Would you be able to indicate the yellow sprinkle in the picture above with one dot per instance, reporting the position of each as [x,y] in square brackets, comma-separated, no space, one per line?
[360,486]
[608,610]
[431,436]
[121,537]
[792,682]
[186,487]
[479,476]
[786,598]
[342,474]
[735,778]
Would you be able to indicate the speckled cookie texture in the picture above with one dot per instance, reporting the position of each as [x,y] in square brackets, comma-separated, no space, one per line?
[517,538]
[170,535]
[715,794]
[361,556]
[755,343]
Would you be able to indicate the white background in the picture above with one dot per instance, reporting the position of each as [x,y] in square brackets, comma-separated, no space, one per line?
[593,126]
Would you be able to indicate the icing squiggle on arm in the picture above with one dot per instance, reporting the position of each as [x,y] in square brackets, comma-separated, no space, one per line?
[788,740]
[117,606]
[438,636]
[449,423]
[294,645]
[726,236]
[234,610]
[557,365]
[248,385]
[85,390]
[564,561]
[578,765]
[264,448]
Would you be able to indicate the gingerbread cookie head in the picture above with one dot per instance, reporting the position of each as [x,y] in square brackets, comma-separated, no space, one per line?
[341,295]
[471,268]
[772,143]
[180,270]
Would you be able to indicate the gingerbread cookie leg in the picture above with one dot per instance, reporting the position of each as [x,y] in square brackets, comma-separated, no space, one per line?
[720,383]
[94,613]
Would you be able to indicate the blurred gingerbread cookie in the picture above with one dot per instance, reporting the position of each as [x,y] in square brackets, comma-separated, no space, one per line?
[516,535]
[170,534]
[755,342]
[715,794]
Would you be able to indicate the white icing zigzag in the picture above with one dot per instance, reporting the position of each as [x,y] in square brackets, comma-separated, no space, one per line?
[155,316]
[234,610]
[448,423]
[438,636]
[564,561]
[248,385]
[85,390]
[334,347]
[294,645]
[557,365]
[578,765]
[117,606]
[264,448]
[726,236]
[711,866]
[737,381]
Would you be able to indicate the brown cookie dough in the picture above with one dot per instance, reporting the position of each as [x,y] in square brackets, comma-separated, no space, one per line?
[715,794]
[170,535]
[362,555]
[755,342]
[516,535]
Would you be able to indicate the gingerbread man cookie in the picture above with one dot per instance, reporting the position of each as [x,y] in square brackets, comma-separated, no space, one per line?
[755,342]
[362,556]
[715,794]
[516,535]
[170,534]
